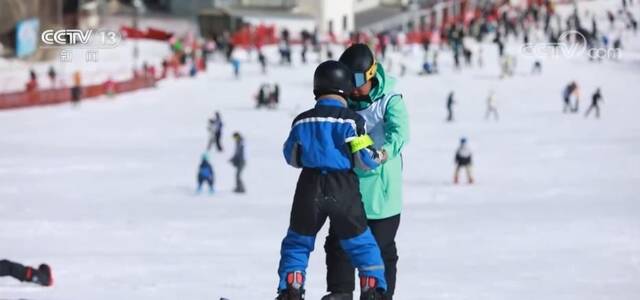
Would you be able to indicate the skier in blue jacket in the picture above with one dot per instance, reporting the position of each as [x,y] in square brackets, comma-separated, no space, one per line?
[205,174]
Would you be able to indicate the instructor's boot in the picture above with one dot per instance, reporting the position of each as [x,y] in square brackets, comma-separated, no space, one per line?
[338,296]
[295,289]
[369,289]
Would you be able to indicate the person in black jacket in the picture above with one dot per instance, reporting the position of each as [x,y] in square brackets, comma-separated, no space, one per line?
[570,90]
[42,275]
[239,162]
[595,104]
[215,132]
[463,160]
[450,103]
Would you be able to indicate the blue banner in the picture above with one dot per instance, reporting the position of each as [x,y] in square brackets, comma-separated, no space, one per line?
[27,35]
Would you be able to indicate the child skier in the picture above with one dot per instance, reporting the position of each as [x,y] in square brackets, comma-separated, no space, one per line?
[42,275]
[205,174]
[463,161]
[327,142]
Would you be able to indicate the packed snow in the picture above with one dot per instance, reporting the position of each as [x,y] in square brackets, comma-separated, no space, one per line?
[105,192]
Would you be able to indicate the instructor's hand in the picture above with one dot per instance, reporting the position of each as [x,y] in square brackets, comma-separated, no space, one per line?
[382,156]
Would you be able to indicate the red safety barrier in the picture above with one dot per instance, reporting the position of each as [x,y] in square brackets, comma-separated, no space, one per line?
[132,33]
[150,33]
[157,34]
[61,95]
[258,36]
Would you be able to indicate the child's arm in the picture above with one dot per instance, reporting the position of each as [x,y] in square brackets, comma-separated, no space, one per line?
[365,157]
[291,150]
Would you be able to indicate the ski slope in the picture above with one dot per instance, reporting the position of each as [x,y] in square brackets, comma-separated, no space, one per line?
[105,192]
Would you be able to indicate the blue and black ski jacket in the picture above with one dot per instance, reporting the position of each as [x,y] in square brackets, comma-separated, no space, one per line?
[330,137]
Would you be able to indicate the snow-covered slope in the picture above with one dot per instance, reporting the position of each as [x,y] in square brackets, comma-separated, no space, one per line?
[105,192]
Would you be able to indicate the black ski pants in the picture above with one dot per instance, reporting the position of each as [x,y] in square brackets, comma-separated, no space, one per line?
[15,270]
[340,272]
[335,195]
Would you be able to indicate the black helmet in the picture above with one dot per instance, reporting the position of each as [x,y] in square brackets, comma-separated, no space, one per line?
[332,77]
[360,59]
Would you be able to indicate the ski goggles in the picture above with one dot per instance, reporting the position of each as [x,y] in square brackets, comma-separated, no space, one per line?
[360,78]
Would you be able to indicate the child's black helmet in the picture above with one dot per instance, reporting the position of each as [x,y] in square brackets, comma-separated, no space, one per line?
[360,59]
[332,77]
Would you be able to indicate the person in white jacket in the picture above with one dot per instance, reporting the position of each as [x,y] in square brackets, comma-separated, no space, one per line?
[492,107]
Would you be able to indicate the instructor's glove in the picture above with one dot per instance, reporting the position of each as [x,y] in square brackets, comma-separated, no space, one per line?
[381,156]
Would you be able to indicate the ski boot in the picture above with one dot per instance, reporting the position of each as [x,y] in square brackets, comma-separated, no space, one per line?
[338,296]
[369,290]
[41,276]
[295,289]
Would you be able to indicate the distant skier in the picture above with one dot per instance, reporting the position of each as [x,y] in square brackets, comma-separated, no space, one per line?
[215,132]
[275,95]
[328,142]
[205,174]
[456,58]
[500,47]
[468,56]
[52,76]
[507,66]
[570,90]
[427,69]
[239,162]
[76,90]
[596,98]
[329,52]
[264,96]
[42,275]
[492,107]
[450,103]
[285,52]
[32,84]
[263,61]
[463,161]
[537,67]
[434,64]
[235,64]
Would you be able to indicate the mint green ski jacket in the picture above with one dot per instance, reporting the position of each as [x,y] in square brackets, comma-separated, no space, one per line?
[388,124]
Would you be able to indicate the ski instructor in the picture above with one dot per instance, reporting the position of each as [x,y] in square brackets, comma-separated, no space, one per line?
[387,122]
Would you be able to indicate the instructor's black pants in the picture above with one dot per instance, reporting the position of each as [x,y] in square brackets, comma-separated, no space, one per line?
[340,272]
[15,270]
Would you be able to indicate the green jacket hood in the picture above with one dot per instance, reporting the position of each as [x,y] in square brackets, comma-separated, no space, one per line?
[385,85]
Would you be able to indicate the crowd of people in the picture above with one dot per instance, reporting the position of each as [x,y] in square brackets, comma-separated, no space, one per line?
[268,96]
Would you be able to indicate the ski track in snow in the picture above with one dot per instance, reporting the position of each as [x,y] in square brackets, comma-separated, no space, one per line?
[105,192]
